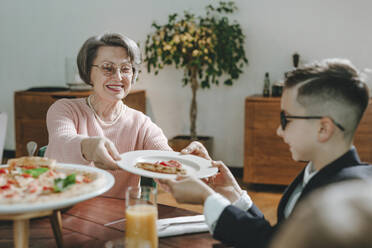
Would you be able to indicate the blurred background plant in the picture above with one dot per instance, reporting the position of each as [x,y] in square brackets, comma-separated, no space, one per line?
[206,47]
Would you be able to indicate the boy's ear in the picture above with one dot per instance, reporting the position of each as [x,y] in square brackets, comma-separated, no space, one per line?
[326,129]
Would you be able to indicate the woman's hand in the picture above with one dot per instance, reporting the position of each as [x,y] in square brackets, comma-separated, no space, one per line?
[224,182]
[101,151]
[196,148]
[188,190]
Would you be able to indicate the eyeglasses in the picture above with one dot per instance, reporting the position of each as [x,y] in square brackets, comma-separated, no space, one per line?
[284,120]
[109,69]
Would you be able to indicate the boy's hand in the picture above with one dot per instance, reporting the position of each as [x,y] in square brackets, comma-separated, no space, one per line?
[188,190]
[224,182]
[197,149]
[162,185]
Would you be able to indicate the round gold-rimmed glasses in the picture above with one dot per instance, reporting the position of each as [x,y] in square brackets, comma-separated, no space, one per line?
[109,69]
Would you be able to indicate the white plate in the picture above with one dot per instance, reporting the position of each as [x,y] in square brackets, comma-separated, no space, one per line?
[193,165]
[65,202]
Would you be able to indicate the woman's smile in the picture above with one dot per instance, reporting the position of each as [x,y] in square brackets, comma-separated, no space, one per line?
[115,87]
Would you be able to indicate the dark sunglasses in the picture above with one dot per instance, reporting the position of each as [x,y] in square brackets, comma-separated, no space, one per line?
[284,120]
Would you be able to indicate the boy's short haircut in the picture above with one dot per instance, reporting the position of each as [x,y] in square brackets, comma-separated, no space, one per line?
[333,88]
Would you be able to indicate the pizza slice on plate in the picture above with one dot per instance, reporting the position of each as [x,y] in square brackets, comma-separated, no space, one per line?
[39,179]
[166,167]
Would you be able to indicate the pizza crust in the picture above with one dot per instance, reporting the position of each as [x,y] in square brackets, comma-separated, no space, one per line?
[28,161]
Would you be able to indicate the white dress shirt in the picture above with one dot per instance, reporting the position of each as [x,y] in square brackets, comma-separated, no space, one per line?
[308,174]
[216,203]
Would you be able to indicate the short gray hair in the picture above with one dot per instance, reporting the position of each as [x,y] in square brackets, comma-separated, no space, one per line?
[88,52]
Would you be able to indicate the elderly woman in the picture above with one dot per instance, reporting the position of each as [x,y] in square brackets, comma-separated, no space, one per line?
[95,130]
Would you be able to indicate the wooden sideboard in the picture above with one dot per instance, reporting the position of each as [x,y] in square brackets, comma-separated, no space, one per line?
[267,159]
[31,107]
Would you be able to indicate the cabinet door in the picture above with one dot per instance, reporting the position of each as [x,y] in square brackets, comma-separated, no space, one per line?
[30,130]
[267,158]
[32,107]
[136,100]
[363,136]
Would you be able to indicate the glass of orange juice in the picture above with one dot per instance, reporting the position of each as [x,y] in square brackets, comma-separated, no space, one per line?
[141,215]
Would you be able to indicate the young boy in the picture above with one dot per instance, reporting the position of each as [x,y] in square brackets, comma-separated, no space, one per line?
[322,105]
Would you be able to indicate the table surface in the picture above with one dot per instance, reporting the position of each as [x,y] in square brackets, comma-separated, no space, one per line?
[83,226]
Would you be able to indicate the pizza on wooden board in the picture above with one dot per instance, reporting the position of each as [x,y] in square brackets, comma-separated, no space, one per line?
[39,179]
[166,167]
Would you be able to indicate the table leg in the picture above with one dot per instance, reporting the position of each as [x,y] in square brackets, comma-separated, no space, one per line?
[56,221]
[21,233]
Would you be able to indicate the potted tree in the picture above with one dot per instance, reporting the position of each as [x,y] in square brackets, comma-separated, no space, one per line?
[205,47]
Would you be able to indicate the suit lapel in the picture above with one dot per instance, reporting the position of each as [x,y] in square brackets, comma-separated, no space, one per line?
[325,175]
[322,178]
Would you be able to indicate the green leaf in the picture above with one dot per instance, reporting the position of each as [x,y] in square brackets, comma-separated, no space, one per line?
[155,25]
[62,184]
[218,40]
[205,84]
[228,82]
[35,173]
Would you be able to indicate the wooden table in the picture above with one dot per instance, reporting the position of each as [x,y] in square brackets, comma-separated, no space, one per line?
[83,226]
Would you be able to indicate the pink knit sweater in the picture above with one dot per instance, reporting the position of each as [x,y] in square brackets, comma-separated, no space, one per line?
[71,120]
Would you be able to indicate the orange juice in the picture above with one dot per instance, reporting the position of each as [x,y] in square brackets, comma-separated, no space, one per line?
[140,226]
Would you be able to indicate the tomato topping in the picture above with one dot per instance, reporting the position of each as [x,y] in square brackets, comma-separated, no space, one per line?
[6,186]
[28,167]
[87,180]
[32,188]
[25,175]
[45,188]
[11,181]
[164,163]
[2,171]
[170,163]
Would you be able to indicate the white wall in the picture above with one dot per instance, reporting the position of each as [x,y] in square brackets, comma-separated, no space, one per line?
[36,36]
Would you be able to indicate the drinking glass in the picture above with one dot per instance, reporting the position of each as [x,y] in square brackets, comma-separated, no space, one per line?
[141,215]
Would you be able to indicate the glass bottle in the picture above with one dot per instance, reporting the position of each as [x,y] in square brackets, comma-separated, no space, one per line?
[266,89]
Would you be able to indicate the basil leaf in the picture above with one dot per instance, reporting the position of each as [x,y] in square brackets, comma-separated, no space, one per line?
[61,184]
[58,185]
[69,180]
[35,173]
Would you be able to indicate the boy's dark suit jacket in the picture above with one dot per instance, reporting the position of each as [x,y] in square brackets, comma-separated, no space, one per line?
[250,229]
